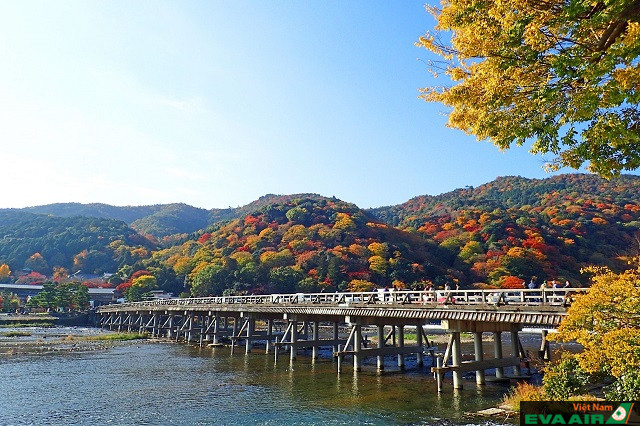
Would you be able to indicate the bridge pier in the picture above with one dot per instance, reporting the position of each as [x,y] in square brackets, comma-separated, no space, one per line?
[190,333]
[380,346]
[515,349]
[456,358]
[545,350]
[480,364]
[206,325]
[216,329]
[170,327]
[155,323]
[401,346]
[314,336]
[293,349]
[234,333]
[251,324]
[269,334]
[497,350]
[357,346]
[419,332]
[479,356]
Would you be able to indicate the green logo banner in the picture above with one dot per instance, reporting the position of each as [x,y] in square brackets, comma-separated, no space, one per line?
[579,413]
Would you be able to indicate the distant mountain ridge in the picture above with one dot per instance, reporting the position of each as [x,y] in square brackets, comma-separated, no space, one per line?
[510,227]
[43,242]
[161,220]
[514,191]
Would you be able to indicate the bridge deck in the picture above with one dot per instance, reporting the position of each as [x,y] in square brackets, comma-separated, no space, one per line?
[527,307]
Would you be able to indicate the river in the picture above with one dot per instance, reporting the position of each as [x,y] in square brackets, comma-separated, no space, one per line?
[168,383]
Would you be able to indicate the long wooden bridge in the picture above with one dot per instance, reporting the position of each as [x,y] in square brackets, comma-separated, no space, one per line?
[293,321]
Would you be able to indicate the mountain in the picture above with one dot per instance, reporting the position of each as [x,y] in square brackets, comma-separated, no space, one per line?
[160,220]
[514,191]
[87,244]
[303,244]
[549,228]
[510,228]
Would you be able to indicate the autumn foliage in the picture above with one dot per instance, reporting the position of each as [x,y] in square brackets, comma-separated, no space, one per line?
[562,74]
[512,282]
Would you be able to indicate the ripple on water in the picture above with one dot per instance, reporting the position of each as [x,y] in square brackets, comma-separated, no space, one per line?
[176,385]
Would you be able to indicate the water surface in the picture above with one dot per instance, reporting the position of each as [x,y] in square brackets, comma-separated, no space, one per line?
[168,383]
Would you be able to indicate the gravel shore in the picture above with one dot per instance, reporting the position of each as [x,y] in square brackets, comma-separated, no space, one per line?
[40,340]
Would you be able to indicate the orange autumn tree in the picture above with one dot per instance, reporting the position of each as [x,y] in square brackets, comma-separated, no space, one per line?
[5,272]
[606,322]
[512,282]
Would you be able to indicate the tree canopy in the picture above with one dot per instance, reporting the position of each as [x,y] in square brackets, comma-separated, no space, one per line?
[606,322]
[564,74]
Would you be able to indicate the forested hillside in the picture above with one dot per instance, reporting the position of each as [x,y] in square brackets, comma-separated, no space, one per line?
[304,244]
[511,227]
[160,220]
[91,245]
[548,228]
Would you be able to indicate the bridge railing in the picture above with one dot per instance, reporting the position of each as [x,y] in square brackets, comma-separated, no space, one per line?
[432,298]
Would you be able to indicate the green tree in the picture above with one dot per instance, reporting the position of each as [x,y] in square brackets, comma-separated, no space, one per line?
[284,279]
[46,298]
[298,215]
[565,378]
[563,74]
[470,251]
[63,296]
[211,280]
[80,298]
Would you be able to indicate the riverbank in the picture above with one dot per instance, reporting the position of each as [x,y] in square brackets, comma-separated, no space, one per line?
[35,340]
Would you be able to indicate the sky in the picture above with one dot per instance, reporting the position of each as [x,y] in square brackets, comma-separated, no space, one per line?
[216,103]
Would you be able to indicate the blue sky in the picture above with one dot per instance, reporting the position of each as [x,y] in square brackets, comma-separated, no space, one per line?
[215,103]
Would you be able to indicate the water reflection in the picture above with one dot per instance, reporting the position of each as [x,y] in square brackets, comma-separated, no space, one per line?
[354,387]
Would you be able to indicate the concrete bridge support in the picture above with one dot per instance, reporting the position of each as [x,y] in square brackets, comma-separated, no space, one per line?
[251,325]
[315,336]
[456,355]
[357,346]
[480,364]
[545,350]
[497,351]
[170,327]
[381,342]
[216,329]
[269,334]
[401,346]
[479,356]
[293,349]
[419,333]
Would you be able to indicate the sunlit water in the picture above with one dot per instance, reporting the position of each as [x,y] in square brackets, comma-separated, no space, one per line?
[168,383]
